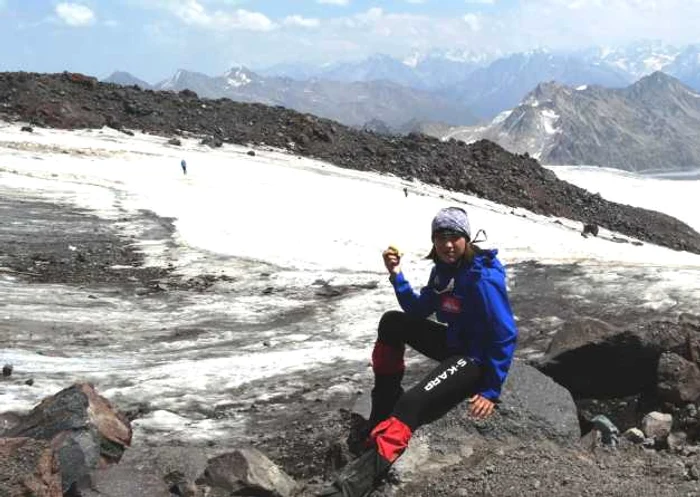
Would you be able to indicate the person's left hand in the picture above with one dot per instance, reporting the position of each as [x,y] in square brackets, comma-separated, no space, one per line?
[480,407]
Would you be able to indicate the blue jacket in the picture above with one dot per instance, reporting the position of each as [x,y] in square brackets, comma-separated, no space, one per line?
[473,301]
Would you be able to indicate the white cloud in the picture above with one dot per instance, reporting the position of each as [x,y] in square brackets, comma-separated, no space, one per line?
[75,14]
[302,22]
[334,2]
[555,24]
[473,21]
[194,13]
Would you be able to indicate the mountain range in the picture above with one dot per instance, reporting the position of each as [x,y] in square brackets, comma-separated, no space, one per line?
[353,103]
[651,125]
[442,86]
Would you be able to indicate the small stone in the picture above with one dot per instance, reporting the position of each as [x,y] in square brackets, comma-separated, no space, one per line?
[657,425]
[676,441]
[7,370]
[634,435]
[251,153]
[29,382]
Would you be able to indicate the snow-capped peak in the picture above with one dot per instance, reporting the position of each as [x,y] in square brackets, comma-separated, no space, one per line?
[412,60]
[172,82]
[237,77]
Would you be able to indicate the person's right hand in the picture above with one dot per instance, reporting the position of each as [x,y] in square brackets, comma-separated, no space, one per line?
[392,259]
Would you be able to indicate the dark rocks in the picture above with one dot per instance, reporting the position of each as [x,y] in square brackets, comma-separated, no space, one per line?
[188,94]
[678,379]
[27,129]
[251,153]
[151,471]
[482,168]
[83,429]
[211,141]
[595,360]
[175,141]
[7,370]
[590,229]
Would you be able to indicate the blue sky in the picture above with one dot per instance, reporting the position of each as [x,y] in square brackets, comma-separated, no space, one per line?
[153,38]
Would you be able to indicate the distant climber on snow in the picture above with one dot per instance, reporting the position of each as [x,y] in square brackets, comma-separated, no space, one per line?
[183,165]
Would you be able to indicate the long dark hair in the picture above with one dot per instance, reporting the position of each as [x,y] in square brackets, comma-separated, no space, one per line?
[471,250]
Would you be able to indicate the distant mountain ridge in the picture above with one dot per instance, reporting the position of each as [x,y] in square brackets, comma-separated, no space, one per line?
[489,84]
[651,125]
[434,88]
[351,103]
[501,85]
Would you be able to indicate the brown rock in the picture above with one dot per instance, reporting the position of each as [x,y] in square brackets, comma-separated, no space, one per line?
[28,468]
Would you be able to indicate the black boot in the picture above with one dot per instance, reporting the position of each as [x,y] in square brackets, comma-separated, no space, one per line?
[358,478]
[386,392]
[358,438]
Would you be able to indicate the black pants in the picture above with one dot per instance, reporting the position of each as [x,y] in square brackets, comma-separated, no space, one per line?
[448,384]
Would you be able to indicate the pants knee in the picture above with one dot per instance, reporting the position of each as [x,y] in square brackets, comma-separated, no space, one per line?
[390,327]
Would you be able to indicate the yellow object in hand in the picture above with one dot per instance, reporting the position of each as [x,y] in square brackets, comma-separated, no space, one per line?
[394,248]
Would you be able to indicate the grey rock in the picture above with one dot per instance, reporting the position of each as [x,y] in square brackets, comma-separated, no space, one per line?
[657,425]
[533,407]
[678,379]
[610,435]
[247,471]
[151,471]
[595,360]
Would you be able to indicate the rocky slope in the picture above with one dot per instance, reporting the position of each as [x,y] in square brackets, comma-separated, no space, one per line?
[483,168]
[652,125]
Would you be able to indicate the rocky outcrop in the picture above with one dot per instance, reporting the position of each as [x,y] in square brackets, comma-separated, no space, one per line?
[83,429]
[595,360]
[483,169]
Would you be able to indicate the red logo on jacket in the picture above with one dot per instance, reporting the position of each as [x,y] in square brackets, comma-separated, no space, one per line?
[451,304]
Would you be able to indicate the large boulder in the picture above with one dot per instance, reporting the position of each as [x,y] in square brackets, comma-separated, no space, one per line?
[83,428]
[533,407]
[593,359]
[28,468]
[678,379]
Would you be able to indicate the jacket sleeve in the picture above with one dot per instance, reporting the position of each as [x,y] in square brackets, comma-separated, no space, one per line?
[417,304]
[501,337]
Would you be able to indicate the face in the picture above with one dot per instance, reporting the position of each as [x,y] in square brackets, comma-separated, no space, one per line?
[449,248]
